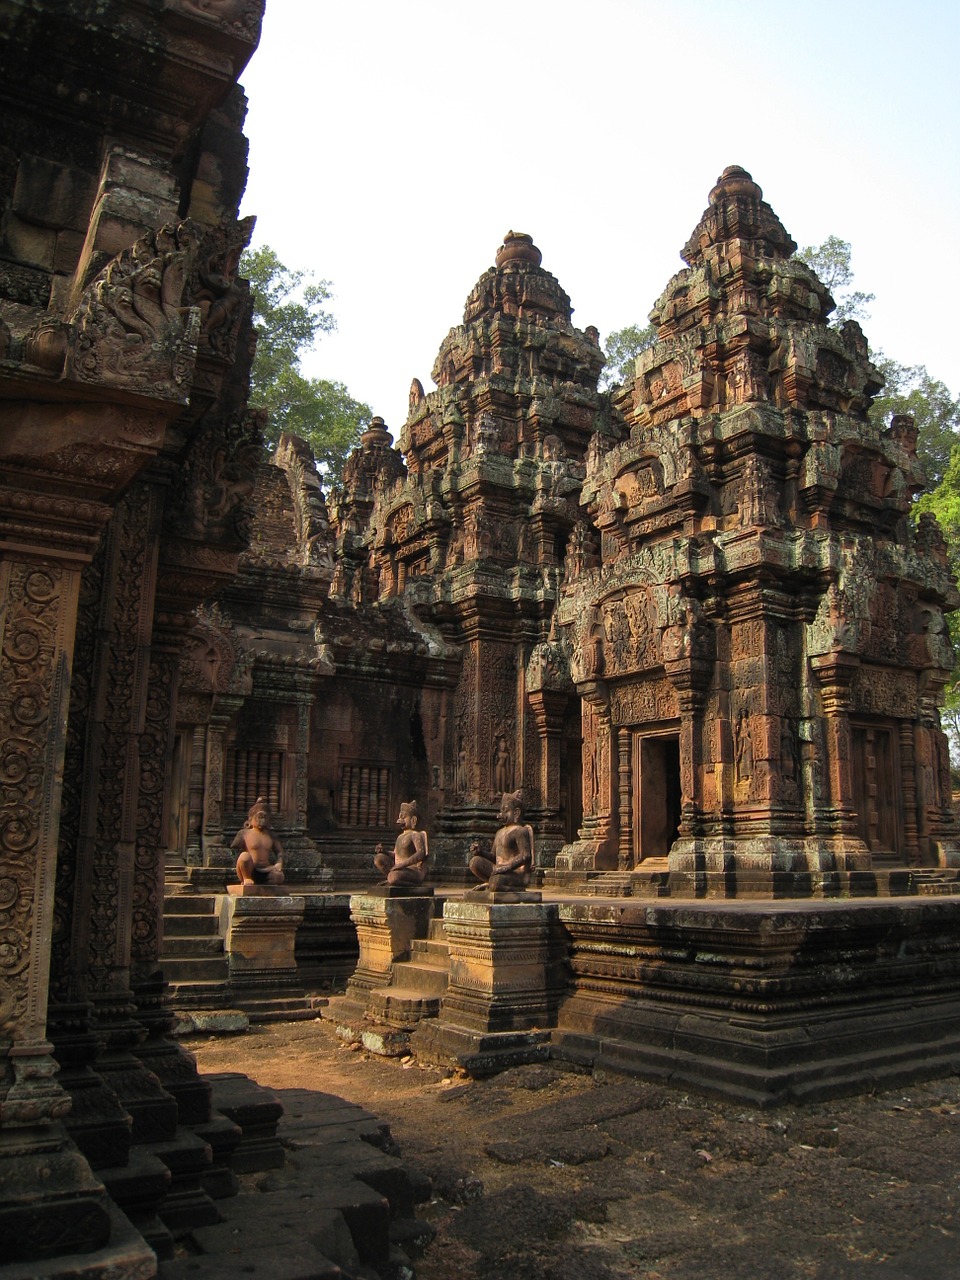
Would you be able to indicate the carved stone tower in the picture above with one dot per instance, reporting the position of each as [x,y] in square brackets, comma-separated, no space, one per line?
[472,538]
[760,650]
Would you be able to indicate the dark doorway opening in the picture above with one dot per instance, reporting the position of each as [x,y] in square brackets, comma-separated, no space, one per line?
[657,815]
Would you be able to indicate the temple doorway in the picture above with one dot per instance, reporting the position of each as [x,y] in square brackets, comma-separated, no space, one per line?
[178,809]
[876,788]
[656,817]
[571,776]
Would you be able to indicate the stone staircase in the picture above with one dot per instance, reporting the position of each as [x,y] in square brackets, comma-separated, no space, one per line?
[193,959]
[416,985]
[935,882]
[197,969]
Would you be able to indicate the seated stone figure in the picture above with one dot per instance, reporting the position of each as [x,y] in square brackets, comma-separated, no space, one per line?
[408,862]
[511,860]
[258,845]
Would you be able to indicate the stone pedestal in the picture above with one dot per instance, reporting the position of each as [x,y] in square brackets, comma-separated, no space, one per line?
[259,933]
[506,978]
[387,923]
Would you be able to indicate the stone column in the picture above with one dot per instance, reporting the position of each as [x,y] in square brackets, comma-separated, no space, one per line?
[198,760]
[549,709]
[111,712]
[908,781]
[596,846]
[215,848]
[625,781]
[50,1202]
[168,1061]
[835,672]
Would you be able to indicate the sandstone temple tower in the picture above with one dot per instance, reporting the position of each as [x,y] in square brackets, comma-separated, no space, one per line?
[456,550]
[761,648]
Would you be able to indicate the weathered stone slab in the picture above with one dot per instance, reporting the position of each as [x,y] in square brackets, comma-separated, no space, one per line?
[257,1111]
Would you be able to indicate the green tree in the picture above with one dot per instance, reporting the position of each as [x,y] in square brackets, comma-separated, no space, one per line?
[290,316]
[622,348]
[944,503]
[911,389]
[831,263]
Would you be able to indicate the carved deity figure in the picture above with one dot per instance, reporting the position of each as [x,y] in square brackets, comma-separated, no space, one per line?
[502,773]
[511,856]
[261,854]
[408,862]
[743,748]
[460,780]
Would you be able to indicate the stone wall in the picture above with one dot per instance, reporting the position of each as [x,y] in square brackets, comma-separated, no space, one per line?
[127,454]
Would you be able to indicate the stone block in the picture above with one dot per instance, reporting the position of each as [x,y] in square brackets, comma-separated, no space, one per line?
[257,1111]
[257,891]
[125,1254]
[24,242]
[53,195]
[50,1202]
[66,255]
[765,1002]
[505,963]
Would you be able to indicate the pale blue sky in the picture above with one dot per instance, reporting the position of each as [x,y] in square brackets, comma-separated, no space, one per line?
[393,144]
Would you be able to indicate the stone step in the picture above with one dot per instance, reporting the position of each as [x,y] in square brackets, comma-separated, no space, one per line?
[204,969]
[421,976]
[191,947]
[279,1008]
[430,949]
[436,932]
[188,926]
[403,1006]
[189,904]
[609,884]
[196,995]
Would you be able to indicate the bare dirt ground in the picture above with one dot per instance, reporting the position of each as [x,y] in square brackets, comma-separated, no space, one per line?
[547,1174]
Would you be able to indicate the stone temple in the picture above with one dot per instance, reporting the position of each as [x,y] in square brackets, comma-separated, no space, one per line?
[692,622]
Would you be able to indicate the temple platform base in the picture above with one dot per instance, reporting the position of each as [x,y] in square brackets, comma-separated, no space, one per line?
[765,1002]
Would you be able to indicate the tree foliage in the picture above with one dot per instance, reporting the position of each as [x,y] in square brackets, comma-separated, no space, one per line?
[944,502]
[290,316]
[830,262]
[911,389]
[908,388]
[622,348]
